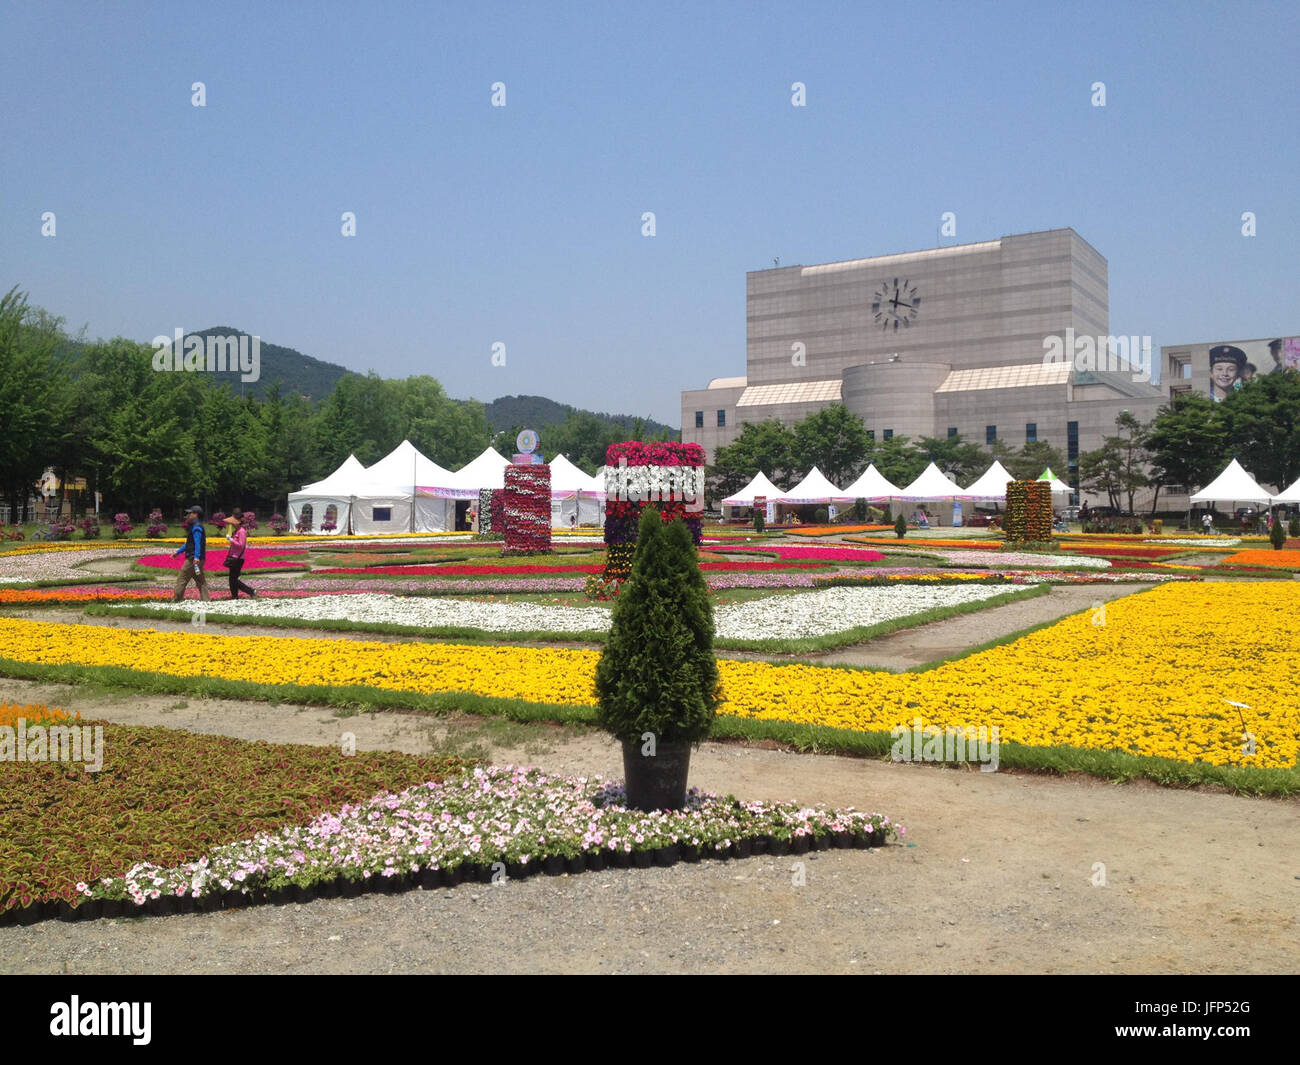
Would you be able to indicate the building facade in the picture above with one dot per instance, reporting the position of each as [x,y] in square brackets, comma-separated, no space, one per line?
[1005,339]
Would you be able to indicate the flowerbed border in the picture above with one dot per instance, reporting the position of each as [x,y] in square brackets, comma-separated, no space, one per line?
[428,879]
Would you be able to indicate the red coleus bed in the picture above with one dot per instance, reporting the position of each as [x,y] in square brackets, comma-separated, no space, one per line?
[255,558]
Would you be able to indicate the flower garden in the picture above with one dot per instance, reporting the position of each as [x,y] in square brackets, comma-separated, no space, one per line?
[1137,695]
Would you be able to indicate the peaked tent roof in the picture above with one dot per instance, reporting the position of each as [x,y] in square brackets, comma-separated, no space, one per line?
[814,488]
[340,481]
[932,484]
[1233,485]
[486,470]
[1290,494]
[1057,484]
[566,478]
[990,485]
[405,465]
[759,485]
[872,485]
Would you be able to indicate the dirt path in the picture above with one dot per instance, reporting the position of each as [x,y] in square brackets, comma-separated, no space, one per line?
[999,877]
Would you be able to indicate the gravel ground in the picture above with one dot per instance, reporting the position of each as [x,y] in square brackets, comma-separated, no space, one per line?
[999,877]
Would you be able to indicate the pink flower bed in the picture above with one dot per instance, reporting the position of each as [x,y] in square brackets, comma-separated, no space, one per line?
[255,558]
[824,554]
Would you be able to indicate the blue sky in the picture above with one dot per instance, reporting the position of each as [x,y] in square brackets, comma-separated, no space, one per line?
[522,224]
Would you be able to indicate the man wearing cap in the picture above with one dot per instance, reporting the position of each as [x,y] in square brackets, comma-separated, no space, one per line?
[195,551]
[1226,366]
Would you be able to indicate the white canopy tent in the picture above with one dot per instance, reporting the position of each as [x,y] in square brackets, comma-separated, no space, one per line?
[872,486]
[759,485]
[487,470]
[1058,486]
[990,486]
[420,509]
[1290,494]
[814,488]
[933,485]
[1233,485]
[574,493]
[336,490]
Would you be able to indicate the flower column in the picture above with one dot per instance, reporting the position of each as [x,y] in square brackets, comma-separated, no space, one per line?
[527,509]
[668,476]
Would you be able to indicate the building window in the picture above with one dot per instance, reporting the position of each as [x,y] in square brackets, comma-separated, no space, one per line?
[1071,440]
[889,434]
[1031,432]
[871,435]
[952,431]
[722,419]
[990,433]
[699,419]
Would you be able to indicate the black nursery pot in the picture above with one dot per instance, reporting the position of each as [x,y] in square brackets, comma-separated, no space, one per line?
[112,908]
[742,848]
[656,782]
[823,843]
[622,859]
[666,856]
[642,859]
[554,864]
[799,845]
[430,878]
[689,852]
[778,847]
[575,865]
[596,861]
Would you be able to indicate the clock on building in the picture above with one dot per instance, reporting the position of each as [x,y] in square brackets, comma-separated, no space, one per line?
[895,304]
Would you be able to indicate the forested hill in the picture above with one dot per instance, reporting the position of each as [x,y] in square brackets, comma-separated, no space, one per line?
[538,412]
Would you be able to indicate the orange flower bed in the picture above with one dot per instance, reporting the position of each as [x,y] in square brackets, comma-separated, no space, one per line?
[833,530]
[1271,559]
[33,714]
[918,541]
[58,595]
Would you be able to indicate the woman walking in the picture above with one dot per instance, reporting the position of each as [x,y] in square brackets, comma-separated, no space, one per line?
[238,540]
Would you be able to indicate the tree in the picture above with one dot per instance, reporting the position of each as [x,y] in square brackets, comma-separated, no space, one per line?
[1262,424]
[763,447]
[960,460]
[1186,442]
[1029,462]
[1130,444]
[1099,471]
[835,441]
[898,461]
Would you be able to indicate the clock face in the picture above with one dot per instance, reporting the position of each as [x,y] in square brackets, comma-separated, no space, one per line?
[895,304]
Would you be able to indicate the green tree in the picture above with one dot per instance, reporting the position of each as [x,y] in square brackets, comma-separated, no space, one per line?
[960,460]
[1028,463]
[1262,423]
[898,460]
[1099,471]
[1186,442]
[766,447]
[835,441]
[657,672]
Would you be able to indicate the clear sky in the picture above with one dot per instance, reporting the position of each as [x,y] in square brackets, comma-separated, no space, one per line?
[522,224]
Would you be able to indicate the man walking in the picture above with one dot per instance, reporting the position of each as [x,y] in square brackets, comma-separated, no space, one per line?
[195,551]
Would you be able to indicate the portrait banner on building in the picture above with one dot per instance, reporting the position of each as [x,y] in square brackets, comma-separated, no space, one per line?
[1235,362]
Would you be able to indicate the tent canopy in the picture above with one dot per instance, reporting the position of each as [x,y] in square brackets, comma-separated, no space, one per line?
[339,482]
[407,466]
[991,485]
[1290,494]
[814,488]
[414,474]
[758,486]
[1233,485]
[872,486]
[353,494]
[487,470]
[566,479]
[1058,485]
[932,485]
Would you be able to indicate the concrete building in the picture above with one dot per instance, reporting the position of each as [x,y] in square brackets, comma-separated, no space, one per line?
[944,342]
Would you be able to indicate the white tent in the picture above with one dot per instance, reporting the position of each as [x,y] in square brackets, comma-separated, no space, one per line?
[991,485]
[1289,495]
[573,492]
[758,486]
[335,491]
[1233,485]
[814,488]
[1059,487]
[933,484]
[488,470]
[418,509]
[872,486]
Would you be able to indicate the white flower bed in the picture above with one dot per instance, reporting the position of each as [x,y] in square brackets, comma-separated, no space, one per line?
[1018,559]
[1215,541]
[770,618]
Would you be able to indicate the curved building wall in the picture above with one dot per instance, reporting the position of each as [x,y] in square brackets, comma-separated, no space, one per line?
[895,395]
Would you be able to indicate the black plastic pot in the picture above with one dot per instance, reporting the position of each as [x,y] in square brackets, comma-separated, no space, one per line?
[430,878]
[622,859]
[596,861]
[329,889]
[575,865]
[112,908]
[281,895]
[778,847]
[742,848]
[668,856]
[350,888]
[554,864]
[643,859]
[876,839]
[799,845]
[658,781]
[454,877]
[760,844]
[823,842]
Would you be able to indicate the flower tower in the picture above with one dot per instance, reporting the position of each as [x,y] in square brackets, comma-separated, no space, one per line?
[527,500]
[1029,512]
[669,476]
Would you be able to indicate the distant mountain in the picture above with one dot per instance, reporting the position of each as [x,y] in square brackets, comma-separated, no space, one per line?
[296,372]
[538,412]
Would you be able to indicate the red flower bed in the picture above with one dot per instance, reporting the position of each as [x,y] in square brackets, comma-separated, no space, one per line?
[255,558]
[1124,552]
[532,571]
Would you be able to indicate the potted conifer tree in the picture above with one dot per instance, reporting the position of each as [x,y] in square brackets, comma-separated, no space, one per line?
[657,680]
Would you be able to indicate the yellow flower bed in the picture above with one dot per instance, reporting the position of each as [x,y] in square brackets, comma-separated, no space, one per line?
[1153,679]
